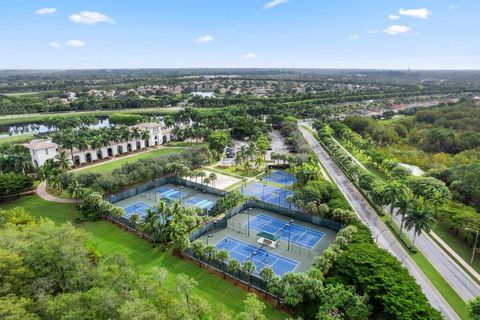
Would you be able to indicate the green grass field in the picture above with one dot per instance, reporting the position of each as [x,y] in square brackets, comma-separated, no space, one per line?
[21,138]
[118,162]
[109,238]
[24,118]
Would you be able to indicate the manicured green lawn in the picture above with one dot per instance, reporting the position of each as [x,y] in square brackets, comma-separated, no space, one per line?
[109,238]
[117,163]
[21,138]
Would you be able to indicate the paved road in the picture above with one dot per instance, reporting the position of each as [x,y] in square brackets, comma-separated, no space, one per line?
[383,235]
[465,286]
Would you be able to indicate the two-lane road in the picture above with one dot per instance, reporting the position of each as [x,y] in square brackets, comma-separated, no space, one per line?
[460,281]
[383,235]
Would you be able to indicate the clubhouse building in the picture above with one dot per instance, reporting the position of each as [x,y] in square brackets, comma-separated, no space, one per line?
[42,150]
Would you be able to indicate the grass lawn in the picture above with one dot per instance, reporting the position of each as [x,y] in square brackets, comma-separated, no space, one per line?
[183,144]
[21,138]
[23,118]
[109,238]
[118,162]
[240,171]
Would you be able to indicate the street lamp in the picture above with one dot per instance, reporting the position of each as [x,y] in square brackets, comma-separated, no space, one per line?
[289,224]
[474,244]
[248,220]
[209,236]
[263,191]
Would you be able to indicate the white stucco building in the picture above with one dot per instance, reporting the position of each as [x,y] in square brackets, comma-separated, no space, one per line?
[42,150]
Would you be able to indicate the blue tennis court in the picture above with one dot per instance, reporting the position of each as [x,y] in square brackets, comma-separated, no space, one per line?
[281,177]
[243,251]
[138,207]
[172,194]
[200,202]
[269,194]
[299,235]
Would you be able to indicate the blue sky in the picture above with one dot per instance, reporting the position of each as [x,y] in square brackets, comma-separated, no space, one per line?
[62,34]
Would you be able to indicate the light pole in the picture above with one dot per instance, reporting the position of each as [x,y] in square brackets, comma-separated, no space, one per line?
[248,221]
[289,224]
[209,236]
[474,244]
[263,191]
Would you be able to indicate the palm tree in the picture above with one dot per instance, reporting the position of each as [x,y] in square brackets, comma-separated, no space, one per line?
[392,192]
[248,268]
[145,135]
[252,150]
[222,257]
[81,143]
[22,162]
[234,267]
[202,174]
[136,132]
[210,251]
[213,178]
[63,161]
[419,218]
[206,181]
[198,249]
[95,143]
[151,224]
[267,275]
[134,218]
[74,189]
[404,201]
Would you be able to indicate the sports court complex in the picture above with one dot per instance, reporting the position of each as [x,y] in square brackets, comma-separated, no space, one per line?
[141,202]
[268,238]
[269,194]
[280,177]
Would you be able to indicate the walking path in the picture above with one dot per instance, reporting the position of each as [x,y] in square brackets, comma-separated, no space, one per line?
[42,193]
[383,235]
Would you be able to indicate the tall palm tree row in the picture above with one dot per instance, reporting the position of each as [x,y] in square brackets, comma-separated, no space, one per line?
[96,138]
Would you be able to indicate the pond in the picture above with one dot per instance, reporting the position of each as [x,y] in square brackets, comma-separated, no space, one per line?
[40,127]
[416,171]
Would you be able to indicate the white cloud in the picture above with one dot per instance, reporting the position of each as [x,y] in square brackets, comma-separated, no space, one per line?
[393,17]
[273,3]
[44,11]
[204,39]
[54,45]
[75,43]
[452,7]
[250,56]
[90,17]
[373,31]
[396,29]
[422,13]
[354,36]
